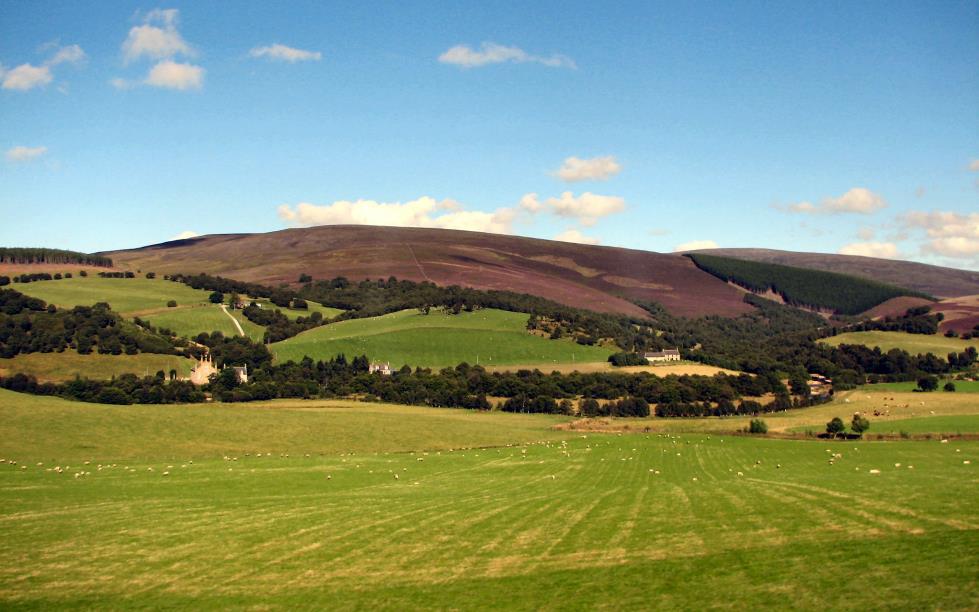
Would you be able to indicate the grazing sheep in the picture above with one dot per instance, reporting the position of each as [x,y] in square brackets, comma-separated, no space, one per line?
[875,471]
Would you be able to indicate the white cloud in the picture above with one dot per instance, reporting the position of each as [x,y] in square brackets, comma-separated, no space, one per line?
[857,200]
[573,235]
[23,154]
[422,212]
[72,54]
[949,234]
[493,53]
[174,75]
[26,77]
[184,235]
[587,208]
[157,38]
[531,203]
[884,250]
[695,245]
[974,165]
[285,54]
[595,169]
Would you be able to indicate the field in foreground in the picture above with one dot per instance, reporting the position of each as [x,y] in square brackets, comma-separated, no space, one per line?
[488,337]
[178,511]
[937,344]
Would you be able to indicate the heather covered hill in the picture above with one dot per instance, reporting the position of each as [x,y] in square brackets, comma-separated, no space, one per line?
[604,279]
[932,280]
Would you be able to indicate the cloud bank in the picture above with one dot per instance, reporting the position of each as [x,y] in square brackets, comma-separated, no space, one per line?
[858,200]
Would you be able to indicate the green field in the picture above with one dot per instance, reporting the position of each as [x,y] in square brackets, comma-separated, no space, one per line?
[69,364]
[176,510]
[489,337]
[189,322]
[961,386]
[915,344]
[953,424]
[326,311]
[125,295]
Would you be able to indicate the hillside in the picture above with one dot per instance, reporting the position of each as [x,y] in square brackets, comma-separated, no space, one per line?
[604,279]
[488,337]
[932,280]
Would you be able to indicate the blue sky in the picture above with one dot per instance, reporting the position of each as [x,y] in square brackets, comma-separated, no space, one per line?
[826,127]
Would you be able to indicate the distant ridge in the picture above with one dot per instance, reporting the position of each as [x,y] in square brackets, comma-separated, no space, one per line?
[932,280]
[604,279]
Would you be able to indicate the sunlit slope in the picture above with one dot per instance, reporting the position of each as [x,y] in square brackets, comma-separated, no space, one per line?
[489,337]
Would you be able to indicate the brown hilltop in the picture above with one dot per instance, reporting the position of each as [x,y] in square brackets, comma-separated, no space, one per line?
[592,277]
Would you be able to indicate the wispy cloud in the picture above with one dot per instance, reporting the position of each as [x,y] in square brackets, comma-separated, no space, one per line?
[490,53]
[858,200]
[174,75]
[283,53]
[575,169]
[159,40]
[28,76]
[24,154]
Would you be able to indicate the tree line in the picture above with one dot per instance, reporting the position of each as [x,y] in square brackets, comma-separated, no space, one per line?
[29,255]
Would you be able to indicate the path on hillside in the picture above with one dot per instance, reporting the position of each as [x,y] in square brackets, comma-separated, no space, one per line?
[233,320]
[420,268]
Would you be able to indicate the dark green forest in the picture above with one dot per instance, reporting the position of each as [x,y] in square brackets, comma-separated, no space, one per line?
[26,255]
[841,293]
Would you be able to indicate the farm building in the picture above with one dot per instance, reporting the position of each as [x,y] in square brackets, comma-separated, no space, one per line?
[659,356]
[241,372]
[381,368]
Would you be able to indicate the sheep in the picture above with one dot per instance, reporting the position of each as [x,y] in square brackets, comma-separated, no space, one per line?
[875,471]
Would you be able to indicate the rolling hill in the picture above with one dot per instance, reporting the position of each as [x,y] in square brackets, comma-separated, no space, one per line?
[932,280]
[599,278]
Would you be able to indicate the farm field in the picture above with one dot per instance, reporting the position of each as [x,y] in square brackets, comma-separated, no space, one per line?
[191,321]
[326,311]
[951,424]
[489,337]
[56,367]
[645,521]
[961,386]
[678,369]
[127,296]
[937,344]
[896,405]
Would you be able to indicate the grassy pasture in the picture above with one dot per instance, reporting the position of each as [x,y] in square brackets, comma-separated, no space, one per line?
[596,521]
[495,337]
[326,311]
[948,424]
[961,386]
[915,344]
[191,321]
[54,367]
[127,296]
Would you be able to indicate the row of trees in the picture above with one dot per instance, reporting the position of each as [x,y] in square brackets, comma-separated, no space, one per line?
[918,320]
[19,255]
[126,389]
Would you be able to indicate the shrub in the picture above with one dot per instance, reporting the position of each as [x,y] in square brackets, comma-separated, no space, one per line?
[305,278]
[949,386]
[151,275]
[757,426]
[171,303]
[83,273]
[836,426]
[928,383]
[859,424]
[216,298]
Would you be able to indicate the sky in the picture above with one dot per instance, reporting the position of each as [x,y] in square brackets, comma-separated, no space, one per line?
[848,127]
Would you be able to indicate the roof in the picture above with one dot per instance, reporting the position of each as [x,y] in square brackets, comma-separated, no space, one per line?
[662,353]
